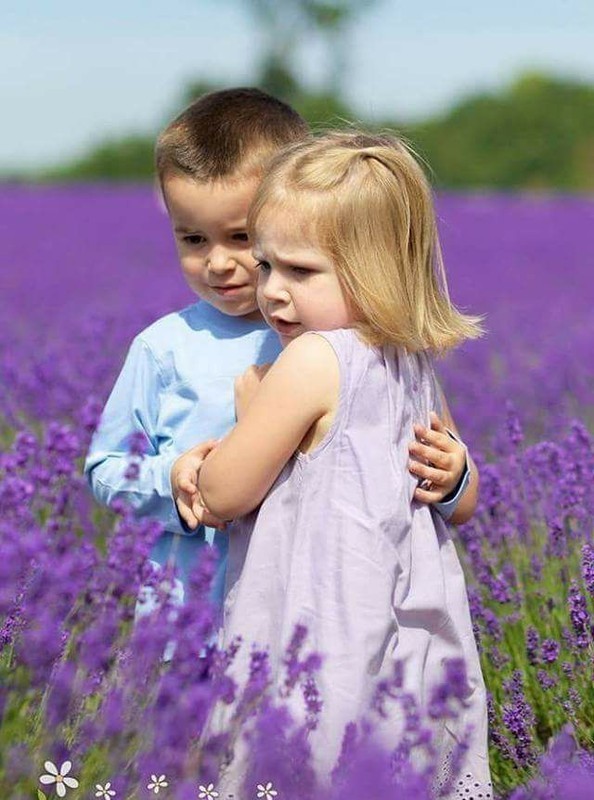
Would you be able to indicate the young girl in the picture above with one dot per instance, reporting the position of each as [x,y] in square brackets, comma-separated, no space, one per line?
[331,534]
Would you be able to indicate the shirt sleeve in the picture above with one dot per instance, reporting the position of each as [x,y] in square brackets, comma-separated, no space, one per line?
[448,505]
[133,408]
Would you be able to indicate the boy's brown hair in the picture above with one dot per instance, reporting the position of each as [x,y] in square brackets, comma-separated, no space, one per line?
[226,134]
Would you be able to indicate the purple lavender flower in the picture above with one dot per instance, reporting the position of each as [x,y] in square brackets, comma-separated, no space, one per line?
[518,717]
[557,541]
[451,692]
[514,426]
[388,689]
[588,567]
[536,567]
[549,650]
[580,618]
[545,680]
[295,667]
[61,692]
[69,574]
[532,645]
[567,668]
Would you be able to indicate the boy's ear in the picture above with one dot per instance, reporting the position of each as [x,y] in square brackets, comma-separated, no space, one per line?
[160,195]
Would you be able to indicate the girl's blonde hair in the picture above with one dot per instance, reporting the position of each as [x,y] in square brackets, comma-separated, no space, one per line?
[371,211]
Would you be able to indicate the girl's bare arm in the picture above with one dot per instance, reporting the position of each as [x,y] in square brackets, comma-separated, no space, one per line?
[300,388]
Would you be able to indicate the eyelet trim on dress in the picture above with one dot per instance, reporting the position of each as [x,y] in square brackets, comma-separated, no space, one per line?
[465,787]
[470,789]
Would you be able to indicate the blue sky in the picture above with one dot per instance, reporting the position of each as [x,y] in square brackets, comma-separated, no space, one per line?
[74,73]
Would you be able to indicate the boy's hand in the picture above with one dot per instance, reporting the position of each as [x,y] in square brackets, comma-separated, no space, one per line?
[184,487]
[440,464]
[246,386]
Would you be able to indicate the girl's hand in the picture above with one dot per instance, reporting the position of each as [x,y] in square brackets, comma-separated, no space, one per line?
[438,461]
[247,385]
[184,487]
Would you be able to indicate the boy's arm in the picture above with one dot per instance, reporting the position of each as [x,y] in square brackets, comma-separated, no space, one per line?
[133,408]
[301,386]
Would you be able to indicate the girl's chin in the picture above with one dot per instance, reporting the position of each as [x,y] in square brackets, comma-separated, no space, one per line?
[285,340]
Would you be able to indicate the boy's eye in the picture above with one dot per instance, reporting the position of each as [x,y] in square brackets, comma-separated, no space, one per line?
[241,236]
[193,238]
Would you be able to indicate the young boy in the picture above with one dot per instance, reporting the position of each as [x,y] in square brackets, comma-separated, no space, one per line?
[176,385]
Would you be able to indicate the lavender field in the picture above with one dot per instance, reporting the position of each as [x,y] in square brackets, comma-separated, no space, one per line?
[82,269]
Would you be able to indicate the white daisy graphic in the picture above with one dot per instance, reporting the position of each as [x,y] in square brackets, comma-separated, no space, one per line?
[157,783]
[59,777]
[106,792]
[207,792]
[266,791]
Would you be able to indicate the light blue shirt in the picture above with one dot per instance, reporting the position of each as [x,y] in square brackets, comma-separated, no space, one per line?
[176,387]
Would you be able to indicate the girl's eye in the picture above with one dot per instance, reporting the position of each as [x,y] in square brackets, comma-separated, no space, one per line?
[263,266]
[301,271]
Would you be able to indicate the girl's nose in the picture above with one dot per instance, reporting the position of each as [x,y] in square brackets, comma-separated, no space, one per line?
[272,288]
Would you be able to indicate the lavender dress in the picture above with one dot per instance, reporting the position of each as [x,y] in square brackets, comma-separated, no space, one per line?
[339,545]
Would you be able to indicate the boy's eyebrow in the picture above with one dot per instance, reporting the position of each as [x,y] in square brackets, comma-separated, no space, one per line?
[231,229]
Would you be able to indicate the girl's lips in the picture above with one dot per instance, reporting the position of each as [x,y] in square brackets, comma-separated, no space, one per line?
[284,328]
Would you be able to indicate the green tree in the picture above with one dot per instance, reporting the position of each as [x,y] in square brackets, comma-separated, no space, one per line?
[126,158]
[537,133]
[285,26]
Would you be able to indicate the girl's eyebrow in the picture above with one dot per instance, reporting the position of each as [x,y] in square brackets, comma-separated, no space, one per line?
[283,261]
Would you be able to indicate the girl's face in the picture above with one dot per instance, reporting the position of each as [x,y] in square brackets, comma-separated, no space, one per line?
[298,289]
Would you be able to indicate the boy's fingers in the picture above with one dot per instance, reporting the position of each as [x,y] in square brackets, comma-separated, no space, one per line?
[186,484]
[438,458]
[263,369]
[436,422]
[186,513]
[212,521]
[437,476]
[206,518]
[203,449]
[427,496]
[435,438]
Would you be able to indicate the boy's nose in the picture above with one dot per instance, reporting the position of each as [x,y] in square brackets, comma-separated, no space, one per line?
[220,260]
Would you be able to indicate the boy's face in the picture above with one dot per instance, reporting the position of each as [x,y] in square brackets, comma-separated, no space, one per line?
[209,224]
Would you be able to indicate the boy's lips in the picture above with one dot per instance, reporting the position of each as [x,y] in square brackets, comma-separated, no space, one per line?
[226,291]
